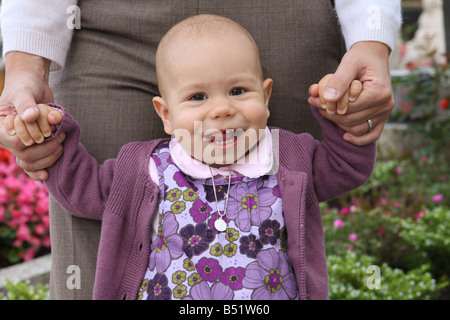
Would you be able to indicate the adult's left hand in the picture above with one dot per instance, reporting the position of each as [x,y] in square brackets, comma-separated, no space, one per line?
[368,62]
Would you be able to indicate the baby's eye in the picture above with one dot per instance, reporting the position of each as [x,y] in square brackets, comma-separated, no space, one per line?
[237,91]
[198,97]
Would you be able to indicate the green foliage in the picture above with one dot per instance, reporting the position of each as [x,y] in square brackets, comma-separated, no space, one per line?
[24,291]
[430,234]
[400,219]
[353,277]
[424,105]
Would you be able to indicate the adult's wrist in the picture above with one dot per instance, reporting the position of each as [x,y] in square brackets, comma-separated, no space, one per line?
[17,61]
[379,48]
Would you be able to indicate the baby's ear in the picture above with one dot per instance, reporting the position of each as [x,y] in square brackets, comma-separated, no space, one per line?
[267,87]
[163,112]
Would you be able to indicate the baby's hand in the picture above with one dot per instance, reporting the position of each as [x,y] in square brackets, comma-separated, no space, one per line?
[37,131]
[316,90]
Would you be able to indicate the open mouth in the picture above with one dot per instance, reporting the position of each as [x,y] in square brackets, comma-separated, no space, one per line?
[223,137]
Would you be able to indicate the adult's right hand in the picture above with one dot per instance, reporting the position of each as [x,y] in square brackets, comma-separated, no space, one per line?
[26,85]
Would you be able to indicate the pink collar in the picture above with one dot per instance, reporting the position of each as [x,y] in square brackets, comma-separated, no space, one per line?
[259,162]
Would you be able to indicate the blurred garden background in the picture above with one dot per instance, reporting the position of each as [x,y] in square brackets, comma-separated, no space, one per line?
[389,239]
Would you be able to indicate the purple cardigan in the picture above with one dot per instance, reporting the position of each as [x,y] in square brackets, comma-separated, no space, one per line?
[121,194]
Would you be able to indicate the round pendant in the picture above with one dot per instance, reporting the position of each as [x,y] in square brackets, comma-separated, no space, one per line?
[220,225]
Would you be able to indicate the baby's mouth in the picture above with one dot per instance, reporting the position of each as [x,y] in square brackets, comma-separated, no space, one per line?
[222,137]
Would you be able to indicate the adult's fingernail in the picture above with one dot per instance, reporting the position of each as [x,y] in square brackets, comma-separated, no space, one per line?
[330,111]
[30,112]
[330,93]
[341,110]
[347,138]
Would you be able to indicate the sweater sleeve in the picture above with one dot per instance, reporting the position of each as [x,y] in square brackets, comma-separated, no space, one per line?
[369,20]
[39,27]
[76,181]
[338,166]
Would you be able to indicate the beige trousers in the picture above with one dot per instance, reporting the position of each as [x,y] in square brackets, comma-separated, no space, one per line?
[109,81]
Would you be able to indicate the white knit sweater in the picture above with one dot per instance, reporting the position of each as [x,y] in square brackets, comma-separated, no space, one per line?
[40,27]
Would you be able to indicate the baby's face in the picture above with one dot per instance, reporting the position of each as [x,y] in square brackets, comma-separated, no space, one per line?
[214,100]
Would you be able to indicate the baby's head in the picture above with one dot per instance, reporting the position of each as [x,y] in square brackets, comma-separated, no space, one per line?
[214,98]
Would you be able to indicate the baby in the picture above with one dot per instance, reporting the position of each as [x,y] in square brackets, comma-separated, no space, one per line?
[227,208]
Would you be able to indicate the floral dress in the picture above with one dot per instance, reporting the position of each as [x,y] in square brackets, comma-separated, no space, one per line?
[190,259]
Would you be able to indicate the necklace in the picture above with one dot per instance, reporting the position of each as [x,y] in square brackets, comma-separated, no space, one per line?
[221,224]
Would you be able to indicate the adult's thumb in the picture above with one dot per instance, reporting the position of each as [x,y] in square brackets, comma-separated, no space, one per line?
[27,110]
[339,83]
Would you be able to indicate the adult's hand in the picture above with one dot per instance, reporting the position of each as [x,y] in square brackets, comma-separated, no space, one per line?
[368,62]
[26,84]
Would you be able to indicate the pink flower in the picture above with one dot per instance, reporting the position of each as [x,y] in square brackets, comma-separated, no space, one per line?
[4,195]
[28,255]
[23,233]
[345,211]
[399,170]
[353,237]
[46,242]
[2,214]
[40,229]
[382,231]
[338,223]
[419,214]
[437,198]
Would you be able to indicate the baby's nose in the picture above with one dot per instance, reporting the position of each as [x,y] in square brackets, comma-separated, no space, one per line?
[222,108]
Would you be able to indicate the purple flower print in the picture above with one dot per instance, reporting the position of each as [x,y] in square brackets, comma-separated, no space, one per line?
[162,158]
[156,160]
[196,239]
[221,191]
[232,277]
[276,191]
[270,277]
[250,207]
[181,180]
[208,269]
[167,245]
[250,246]
[202,291]
[269,232]
[158,288]
[200,210]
